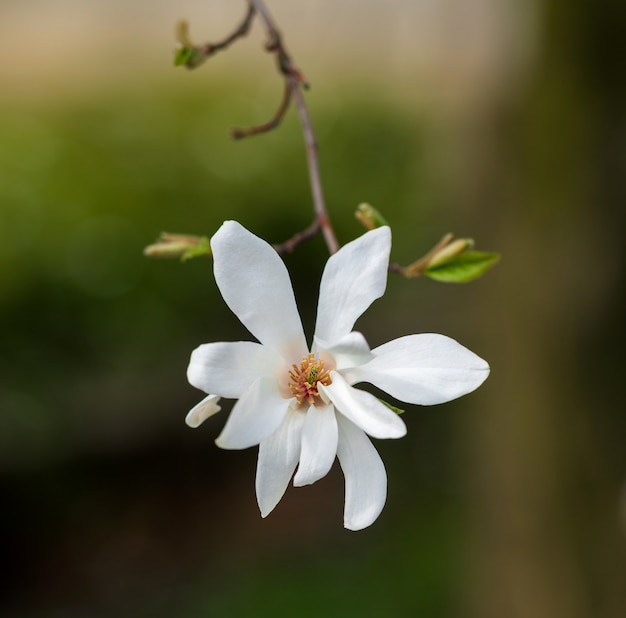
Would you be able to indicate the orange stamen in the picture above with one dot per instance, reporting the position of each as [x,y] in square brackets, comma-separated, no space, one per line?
[303,380]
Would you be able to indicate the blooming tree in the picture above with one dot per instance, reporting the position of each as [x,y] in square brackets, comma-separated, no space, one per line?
[301,404]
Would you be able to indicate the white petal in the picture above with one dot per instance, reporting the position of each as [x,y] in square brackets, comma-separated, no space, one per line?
[350,351]
[255,417]
[319,445]
[203,410]
[229,368]
[423,369]
[278,457]
[363,409]
[366,478]
[353,279]
[255,285]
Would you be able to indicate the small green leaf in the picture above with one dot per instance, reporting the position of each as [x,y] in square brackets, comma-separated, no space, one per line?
[392,408]
[183,55]
[203,248]
[463,267]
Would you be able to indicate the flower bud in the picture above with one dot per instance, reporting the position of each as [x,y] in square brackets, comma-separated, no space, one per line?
[369,216]
[178,246]
[450,251]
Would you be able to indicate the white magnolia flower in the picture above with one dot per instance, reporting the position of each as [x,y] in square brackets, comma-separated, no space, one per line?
[300,405]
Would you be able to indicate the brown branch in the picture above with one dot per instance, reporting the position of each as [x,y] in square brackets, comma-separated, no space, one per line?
[319,204]
[240,32]
[416,268]
[294,80]
[201,52]
[239,133]
[396,269]
[289,245]
[294,83]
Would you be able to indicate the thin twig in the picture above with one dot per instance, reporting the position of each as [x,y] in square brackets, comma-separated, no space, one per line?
[241,31]
[295,80]
[289,245]
[396,269]
[202,52]
[319,204]
[416,268]
[239,133]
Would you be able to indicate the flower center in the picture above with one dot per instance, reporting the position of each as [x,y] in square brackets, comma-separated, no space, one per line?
[303,380]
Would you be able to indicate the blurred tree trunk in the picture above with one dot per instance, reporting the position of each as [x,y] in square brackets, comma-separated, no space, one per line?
[548,447]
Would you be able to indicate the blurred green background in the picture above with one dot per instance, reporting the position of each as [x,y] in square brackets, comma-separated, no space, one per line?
[504,121]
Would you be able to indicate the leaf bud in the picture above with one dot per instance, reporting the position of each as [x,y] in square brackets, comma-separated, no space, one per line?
[369,217]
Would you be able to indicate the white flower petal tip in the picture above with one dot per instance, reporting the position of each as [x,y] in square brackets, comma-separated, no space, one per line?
[424,369]
[366,478]
[353,279]
[255,284]
[203,410]
[278,458]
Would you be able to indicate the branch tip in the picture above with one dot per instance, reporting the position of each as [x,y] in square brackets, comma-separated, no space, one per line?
[191,56]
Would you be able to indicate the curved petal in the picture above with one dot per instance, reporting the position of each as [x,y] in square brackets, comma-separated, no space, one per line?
[255,285]
[319,445]
[423,369]
[278,457]
[363,409]
[203,410]
[366,478]
[229,368]
[353,279]
[255,417]
[351,350]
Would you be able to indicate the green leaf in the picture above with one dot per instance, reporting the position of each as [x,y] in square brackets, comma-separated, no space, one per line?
[392,408]
[463,267]
[183,55]
[203,248]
